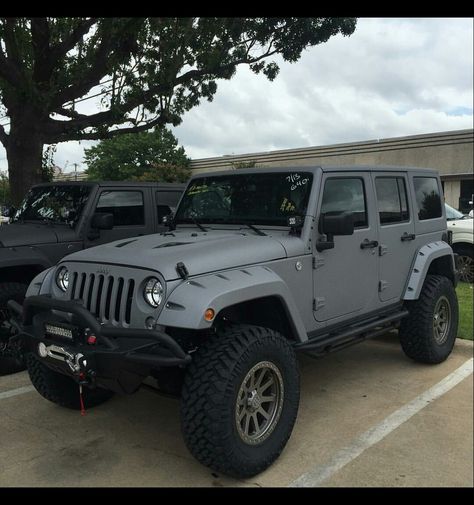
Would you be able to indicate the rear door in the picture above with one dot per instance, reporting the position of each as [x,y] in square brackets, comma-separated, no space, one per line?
[396,233]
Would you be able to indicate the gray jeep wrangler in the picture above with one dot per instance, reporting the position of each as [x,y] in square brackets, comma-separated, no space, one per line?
[257,265]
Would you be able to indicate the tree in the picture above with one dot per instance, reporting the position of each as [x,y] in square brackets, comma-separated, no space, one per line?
[47,164]
[151,70]
[4,190]
[236,165]
[165,172]
[131,155]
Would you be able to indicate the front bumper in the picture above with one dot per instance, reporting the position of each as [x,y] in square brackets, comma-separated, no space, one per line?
[113,358]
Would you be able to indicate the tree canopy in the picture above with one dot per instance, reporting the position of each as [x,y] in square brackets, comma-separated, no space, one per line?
[135,156]
[149,72]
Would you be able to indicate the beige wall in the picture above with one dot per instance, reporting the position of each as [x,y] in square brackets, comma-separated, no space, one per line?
[452,190]
[451,153]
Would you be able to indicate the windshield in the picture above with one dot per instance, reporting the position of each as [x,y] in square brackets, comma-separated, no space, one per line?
[267,199]
[59,204]
[452,213]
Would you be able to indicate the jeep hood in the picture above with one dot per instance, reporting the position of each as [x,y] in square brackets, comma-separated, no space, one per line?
[201,252]
[17,235]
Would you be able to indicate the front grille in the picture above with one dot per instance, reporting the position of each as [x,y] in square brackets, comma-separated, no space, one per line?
[109,298]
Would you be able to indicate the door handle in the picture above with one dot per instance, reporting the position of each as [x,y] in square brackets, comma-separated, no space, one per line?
[369,244]
[408,236]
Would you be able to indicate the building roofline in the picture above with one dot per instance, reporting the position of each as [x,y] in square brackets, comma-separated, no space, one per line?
[384,144]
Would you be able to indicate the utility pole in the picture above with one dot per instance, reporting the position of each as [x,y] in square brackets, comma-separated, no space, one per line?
[75,171]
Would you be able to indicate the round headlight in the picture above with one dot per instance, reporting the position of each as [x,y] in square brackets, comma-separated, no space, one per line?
[153,292]
[62,279]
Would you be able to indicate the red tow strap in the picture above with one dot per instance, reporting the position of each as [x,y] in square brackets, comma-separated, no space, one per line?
[83,410]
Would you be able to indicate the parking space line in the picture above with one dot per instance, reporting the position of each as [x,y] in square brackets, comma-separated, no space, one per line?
[16,392]
[320,473]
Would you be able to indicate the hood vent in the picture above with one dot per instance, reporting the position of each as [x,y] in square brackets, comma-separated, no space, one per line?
[171,244]
[126,243]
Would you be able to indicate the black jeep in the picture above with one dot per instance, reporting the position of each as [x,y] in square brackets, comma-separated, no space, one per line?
[60,218]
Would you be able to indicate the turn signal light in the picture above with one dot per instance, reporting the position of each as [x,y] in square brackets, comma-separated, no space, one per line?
[209,314]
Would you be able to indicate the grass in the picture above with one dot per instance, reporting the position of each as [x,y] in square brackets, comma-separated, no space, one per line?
[465,298]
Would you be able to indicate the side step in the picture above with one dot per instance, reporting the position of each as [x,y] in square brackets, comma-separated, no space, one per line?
[330,342]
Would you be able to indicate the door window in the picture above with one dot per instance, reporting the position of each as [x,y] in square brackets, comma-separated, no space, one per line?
[391,200]
[166,203]
[126,206]
[345,195]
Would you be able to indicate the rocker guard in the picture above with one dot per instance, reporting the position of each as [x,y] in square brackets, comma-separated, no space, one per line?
[118,361]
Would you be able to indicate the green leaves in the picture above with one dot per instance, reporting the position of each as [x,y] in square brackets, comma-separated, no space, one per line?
[130,156]
[151,71]
[161,67]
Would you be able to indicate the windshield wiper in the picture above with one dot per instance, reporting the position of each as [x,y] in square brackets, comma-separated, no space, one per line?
[255,229]
[199,225]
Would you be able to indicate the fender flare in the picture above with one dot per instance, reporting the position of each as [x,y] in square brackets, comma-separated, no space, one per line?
[187,303]
[421,265]
[41,284]
[11,257]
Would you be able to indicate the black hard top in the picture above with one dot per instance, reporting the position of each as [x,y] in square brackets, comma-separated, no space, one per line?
[115,184]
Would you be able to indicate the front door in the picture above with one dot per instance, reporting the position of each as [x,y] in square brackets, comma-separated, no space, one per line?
[345,277]
[129,211]
[396,234]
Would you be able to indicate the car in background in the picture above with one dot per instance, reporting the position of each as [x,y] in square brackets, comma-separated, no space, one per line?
[4,219]
[462,228]
[58,218]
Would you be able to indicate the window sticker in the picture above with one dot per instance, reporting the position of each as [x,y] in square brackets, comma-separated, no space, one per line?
[287,205]
[296,181]
[197,188]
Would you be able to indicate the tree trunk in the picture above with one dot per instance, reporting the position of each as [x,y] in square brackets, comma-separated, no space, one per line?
[24,154]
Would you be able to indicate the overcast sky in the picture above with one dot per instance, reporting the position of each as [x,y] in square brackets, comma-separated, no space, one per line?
[392,77]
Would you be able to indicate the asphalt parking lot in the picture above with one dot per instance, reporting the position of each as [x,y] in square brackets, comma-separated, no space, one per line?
[368,416]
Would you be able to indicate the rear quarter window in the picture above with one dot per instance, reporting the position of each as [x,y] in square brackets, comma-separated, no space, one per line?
[428,198]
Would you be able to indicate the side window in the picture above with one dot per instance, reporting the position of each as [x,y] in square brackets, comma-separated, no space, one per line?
[126,206]
[391,199]
[169,198]
[166,203]
[427,197]
[345,195]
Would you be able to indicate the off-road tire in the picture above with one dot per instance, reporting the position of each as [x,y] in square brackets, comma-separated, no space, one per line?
[9,291]
[60,389]
[209,399]
[417,334]
[465,262]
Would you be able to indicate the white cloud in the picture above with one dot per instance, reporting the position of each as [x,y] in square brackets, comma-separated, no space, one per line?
[392,77]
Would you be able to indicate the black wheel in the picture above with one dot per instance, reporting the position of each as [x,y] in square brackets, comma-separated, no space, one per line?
[11,360]
[465,263]
[429,332]
[60,389]
[240,400]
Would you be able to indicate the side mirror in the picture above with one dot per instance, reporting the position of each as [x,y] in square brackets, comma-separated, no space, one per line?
[168,221]
[340,224]
[102,221]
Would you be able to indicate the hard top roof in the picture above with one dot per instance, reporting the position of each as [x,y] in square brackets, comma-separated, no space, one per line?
[324,168]
[118,184]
